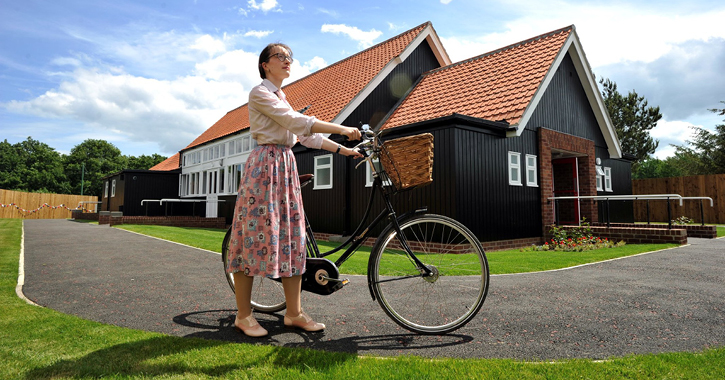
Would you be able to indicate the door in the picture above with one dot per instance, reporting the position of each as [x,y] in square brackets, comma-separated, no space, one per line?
[566,184]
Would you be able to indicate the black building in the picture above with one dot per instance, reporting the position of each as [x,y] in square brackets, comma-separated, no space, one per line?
[512,128]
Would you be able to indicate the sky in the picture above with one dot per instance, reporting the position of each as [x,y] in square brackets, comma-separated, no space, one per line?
[150,76]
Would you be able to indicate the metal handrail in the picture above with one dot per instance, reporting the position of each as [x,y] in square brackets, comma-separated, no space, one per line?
[188,200]
[646,197]
[625,197]
[174,200]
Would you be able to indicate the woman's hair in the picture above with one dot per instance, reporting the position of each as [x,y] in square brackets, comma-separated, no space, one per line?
[266,53]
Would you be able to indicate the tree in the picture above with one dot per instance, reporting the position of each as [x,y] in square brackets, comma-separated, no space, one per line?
[632,119]
[143,162]
[32,166]
[10,178]
[656,168]
[92,160]
[707,152]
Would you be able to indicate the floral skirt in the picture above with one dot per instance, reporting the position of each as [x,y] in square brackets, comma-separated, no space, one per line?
[268,232]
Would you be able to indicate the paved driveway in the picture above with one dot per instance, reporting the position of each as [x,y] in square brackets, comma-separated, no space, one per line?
[672,300]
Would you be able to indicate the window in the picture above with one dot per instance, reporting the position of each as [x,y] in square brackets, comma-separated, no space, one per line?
[113,188]
[323,172]
[607,179]
[600,174]
[514,168]
[531,177]
[105,193]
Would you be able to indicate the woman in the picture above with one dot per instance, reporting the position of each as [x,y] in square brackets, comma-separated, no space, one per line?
[268,233]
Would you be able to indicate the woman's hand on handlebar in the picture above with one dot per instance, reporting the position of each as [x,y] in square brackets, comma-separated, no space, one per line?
[351,152]
[351,133]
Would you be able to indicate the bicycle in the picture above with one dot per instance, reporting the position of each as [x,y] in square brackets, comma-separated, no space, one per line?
[428,272]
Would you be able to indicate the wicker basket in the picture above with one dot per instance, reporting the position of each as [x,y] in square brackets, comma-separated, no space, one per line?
[408,161]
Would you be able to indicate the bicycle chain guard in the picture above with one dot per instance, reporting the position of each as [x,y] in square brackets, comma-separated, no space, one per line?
[322,277]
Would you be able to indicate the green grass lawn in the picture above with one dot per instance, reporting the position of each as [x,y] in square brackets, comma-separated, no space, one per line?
[500,262]
[39,343]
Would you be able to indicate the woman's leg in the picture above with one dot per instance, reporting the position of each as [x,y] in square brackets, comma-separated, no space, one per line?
[243,294]
[293,294]
[295,317]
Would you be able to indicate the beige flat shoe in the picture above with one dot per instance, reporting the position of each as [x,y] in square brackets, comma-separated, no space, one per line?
[304,322]
[250,327]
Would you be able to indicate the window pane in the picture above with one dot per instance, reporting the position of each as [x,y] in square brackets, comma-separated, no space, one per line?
[323,161]
[323,177]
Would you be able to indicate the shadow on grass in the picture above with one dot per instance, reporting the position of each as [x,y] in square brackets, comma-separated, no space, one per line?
[167,355]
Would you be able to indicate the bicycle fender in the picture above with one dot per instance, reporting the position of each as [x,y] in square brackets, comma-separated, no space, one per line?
[419,211]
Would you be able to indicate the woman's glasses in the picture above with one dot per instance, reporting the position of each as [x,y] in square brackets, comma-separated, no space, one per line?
[283,57]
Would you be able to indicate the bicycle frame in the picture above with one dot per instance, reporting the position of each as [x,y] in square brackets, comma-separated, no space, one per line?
[357,238]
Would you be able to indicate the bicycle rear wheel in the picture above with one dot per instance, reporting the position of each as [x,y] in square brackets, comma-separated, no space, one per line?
[267,294]
[436,304]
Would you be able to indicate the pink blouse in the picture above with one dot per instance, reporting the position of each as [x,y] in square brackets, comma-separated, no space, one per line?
[273,121]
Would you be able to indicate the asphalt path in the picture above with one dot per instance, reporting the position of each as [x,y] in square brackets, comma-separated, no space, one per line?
[666,301]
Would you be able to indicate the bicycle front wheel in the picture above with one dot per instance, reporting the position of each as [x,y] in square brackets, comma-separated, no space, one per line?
[267,294]
[454,291]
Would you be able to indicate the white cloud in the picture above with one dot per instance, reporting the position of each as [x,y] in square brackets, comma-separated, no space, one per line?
[258,33]
[446,1]
[170,110]
[610,33]
[209,45]
[671,133]
[329,12]
[313,65]
[171,113]
[364,39]
[265,6]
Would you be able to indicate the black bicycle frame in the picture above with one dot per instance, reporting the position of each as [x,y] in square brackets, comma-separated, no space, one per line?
[356,239]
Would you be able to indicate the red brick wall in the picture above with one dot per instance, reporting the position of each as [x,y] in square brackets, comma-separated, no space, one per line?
[487,246]
[707,232]
[638,234]
[549,140]
[175,221]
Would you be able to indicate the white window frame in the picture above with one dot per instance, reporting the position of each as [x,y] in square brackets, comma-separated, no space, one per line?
[105,193]
[319,167]
[532,169]
[514,168]
[113,188]
[608,179]
[600,176]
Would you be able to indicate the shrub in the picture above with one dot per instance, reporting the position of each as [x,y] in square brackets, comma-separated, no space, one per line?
[574,240]
[682,220]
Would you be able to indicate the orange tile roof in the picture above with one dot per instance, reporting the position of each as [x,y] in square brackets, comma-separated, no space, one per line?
[495,86]
[328,90]
[168,164]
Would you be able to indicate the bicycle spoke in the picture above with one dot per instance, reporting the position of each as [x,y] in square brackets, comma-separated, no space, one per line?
[456,287]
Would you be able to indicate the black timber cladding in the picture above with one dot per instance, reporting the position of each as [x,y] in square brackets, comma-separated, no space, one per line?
[384,97]
[564,107]
[133,186]
[470,175]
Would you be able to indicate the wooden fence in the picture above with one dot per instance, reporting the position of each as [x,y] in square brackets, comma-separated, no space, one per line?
[712,186]
[18,204]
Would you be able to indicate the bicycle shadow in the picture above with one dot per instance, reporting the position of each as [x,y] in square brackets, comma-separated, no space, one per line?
[219,325]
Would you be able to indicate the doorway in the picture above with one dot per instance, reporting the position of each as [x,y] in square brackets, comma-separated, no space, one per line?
[566,184]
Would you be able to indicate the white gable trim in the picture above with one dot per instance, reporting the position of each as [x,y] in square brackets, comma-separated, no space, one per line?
[429,35]
[573,47]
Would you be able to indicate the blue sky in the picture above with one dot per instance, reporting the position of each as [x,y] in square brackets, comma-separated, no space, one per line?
[151,76]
